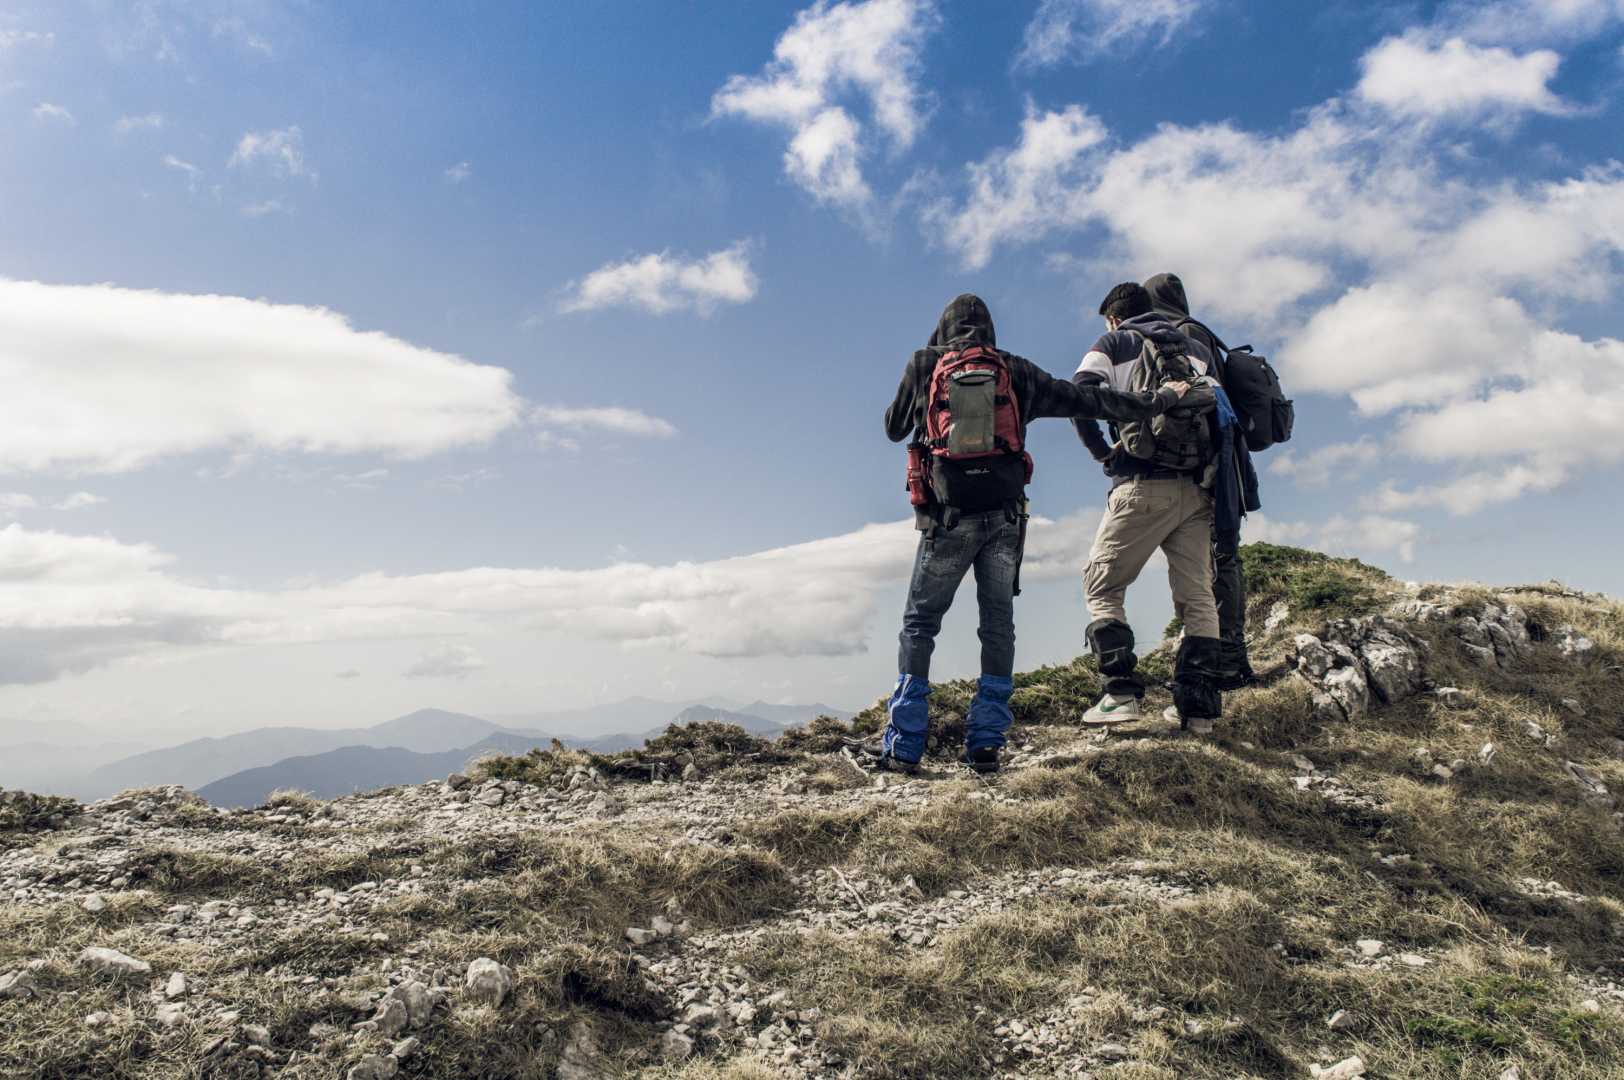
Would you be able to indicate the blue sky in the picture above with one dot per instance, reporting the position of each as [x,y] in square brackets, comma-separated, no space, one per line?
[500,356]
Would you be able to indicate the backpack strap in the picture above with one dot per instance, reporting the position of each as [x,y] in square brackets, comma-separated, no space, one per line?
[1216,340]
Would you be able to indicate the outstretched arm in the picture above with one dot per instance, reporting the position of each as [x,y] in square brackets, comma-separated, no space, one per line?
[901,417]
[1056,397]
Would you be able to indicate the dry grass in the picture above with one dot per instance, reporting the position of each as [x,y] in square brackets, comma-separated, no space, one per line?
[1247,966]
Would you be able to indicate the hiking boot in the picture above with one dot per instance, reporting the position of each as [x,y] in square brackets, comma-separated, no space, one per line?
[1111,709]
[1235,680]
[983,761]
[1195,725]
[872,754]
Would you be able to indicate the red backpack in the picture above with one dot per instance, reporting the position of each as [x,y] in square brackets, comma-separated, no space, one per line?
[973,432]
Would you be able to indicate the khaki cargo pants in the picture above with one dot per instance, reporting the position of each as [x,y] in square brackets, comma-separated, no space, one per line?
[1140,516]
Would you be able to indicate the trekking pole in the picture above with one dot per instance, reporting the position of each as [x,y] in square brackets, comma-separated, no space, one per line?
[1020,544]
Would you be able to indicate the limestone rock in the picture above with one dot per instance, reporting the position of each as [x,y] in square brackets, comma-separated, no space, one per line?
[112,962]
[582,1060]
[1341,1020]
[675,1046]
[1347,1069]
[487,982]
[374,1067]
[94,904]
[17,984]
[170,1013]
[176,986]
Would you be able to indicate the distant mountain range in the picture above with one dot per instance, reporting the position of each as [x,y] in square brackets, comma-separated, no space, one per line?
[242,769]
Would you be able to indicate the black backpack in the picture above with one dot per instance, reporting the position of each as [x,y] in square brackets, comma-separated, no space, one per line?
[1266,414]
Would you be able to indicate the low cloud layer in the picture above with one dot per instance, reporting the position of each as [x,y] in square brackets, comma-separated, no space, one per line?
[105,379]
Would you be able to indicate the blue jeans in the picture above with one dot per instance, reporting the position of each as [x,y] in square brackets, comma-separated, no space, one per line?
[990,543]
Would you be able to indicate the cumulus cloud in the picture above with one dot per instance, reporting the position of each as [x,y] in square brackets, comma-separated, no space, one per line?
[106,379]
[1368,535]
[74,603]
[834,55]
[1086,29]
[1317,467]
[459,172]
[1025,192]
[146,122]
[1414,76]
[79,500]
[662,283]
[52,113]
[446,662]
[282,149]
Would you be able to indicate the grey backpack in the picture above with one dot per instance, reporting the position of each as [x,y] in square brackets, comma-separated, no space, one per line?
[1180,439]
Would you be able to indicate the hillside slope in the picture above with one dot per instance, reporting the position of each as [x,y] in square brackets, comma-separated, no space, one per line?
[1401,855]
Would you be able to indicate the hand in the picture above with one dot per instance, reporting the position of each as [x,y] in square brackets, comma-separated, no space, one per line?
[1179,388]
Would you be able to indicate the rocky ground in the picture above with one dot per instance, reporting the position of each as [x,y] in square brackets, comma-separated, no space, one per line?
[1400,858]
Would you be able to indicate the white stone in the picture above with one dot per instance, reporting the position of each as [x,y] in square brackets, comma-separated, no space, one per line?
[170,1013]
[374,1067]
[94,904]
[675,1046]
[1511,1072]
[1370,947]
[640,937]
[1341,1020]
[1486,752]
[98,1019]
[1347,1069]
[487,982]
[1414,960]
[415,998]
[175,987]
[113,962]
[17,984]
[405,1048]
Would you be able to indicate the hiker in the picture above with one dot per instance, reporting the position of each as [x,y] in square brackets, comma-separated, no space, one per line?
[967,403]
[1157,500]
[1235,494]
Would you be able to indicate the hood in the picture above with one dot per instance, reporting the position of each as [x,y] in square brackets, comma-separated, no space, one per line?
[965,319]
[1167,294]
[1155,325]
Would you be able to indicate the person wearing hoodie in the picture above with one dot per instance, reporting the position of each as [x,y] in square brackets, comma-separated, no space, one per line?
[1151,506]
[954,539]
[1235,494]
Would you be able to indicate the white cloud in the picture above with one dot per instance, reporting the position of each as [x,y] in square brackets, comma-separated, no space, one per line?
[79,500]
[367,480]
[75,603]
[662,283]
[10,39]
[611,419]
[265,208]
[105,379]
[1414,76]
[47,111]
[282,149]
[446,662]
[192,171]
[1086,29]
[1367,536]
[1532,21]
[835,53]
[460,482]
[147,122]
[13,501]
[1023,193]
[1317,467]
[459,172]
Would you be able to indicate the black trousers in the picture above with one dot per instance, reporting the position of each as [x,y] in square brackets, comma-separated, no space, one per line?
[1229,590]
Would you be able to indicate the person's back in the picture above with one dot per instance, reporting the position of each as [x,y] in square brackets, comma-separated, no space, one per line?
[971,511]
[1157,501]
[1235,492]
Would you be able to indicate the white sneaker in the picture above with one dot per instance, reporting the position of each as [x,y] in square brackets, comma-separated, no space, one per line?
[1113,710]
[1195,725]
